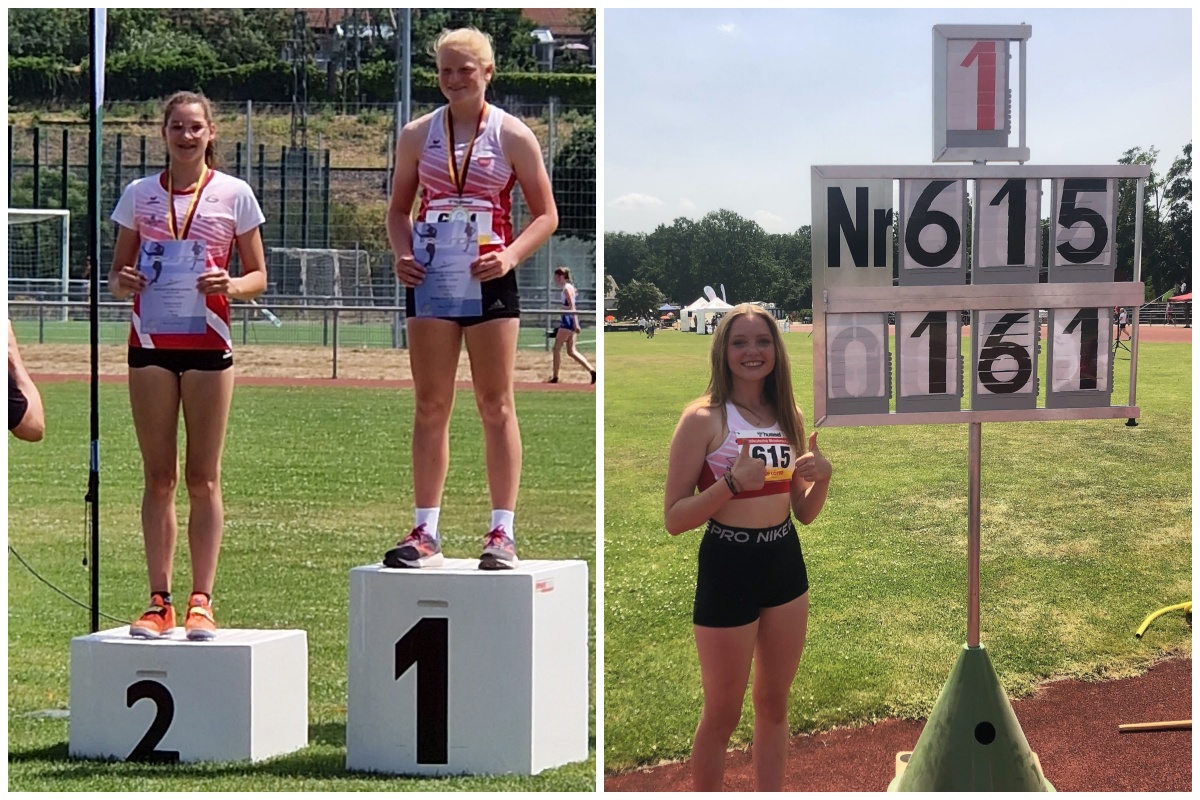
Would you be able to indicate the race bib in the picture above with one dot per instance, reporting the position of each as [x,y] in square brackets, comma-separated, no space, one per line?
[772,448]
[478,217]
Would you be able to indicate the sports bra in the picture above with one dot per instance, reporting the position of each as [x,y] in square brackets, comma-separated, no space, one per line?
[767,443]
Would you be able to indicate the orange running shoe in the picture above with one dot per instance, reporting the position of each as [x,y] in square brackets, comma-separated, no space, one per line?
[157,622]
[199,622]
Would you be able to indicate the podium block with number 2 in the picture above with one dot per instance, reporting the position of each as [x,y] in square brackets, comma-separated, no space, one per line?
[243,696]
[454,670]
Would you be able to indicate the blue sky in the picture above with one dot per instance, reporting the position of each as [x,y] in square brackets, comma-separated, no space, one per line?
[707,108]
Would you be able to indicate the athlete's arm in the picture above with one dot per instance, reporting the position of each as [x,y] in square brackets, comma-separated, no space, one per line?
[810,482]
[124,279]
[253,280]
[525,154]
[683,508]
[405,183]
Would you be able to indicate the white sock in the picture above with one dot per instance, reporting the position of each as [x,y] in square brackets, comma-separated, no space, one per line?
[429,516]
[503,519]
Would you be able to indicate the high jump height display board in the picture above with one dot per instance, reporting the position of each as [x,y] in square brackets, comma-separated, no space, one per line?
[869,305]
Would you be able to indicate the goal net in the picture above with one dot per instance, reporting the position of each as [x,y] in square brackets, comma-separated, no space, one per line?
[38,245]
[321,273]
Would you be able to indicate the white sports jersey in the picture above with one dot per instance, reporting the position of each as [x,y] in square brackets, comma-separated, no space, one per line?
[226,209]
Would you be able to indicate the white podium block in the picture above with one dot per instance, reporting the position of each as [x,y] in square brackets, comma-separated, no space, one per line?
[457,670]
[242,696]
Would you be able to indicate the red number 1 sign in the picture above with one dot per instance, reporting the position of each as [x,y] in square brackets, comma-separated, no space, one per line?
[974,107]
[977,94]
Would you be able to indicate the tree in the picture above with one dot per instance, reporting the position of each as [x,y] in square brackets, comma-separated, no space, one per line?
[638,299]
[57,33]
[509,30]
[624,255]
[1176,247]
[575,182]
[1152,266]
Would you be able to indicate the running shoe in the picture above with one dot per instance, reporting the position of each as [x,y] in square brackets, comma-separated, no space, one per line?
[499,551]
[418,549]
[199,622]
[157,622]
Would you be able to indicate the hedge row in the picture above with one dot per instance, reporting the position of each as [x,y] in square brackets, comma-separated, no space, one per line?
[142,77]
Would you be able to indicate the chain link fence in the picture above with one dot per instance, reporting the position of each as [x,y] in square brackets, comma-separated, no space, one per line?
[323,180]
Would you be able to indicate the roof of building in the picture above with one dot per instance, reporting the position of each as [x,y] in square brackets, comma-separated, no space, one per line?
[560,21]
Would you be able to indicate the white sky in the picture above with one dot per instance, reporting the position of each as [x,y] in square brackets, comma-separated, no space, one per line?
[708,109]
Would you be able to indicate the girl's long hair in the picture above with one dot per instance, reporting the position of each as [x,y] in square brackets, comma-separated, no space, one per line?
[777,389]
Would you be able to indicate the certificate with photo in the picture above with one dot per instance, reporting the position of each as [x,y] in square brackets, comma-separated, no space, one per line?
[171,303]
[446,250]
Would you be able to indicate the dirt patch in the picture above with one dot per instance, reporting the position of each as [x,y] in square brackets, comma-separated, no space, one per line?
[292,363]
[1070,725]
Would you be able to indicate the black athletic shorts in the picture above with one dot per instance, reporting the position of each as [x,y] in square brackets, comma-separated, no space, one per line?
[745,570]
[500,301]
[180,361]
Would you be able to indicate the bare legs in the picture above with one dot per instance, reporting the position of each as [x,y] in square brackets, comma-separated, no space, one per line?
[155,396]
[565,337]
[775,642]
[433,353]
[492,348]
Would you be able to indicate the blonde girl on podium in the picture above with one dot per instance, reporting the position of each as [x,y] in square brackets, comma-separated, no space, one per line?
[464,159]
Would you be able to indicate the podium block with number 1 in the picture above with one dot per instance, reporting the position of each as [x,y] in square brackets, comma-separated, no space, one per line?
[455,670]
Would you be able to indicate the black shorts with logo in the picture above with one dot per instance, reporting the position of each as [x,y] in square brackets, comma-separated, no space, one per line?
[500,301]
[745,570]
[180,361]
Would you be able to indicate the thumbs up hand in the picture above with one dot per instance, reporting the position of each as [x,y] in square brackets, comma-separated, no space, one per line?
[749,473]
[813,466]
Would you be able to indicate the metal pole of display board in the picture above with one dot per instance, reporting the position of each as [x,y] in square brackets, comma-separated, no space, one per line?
[975,448]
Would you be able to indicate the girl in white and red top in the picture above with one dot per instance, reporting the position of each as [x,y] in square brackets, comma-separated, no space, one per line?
[568,326]
[465,159]
[752,586]
[190,201]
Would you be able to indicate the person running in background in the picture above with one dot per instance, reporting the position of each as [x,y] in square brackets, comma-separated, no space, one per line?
[751,605]
[467,156]
[192,370]
[568,326]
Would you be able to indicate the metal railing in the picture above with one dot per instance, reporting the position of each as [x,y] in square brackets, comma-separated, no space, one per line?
[300,324]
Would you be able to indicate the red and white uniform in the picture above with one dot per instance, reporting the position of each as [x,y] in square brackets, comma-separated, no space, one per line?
[227,208]
[487,194]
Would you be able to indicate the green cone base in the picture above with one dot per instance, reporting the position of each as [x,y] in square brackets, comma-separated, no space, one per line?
[972,741]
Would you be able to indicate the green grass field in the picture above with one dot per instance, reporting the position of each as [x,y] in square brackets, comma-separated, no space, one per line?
[312,331]
[1086,529]
[316,481]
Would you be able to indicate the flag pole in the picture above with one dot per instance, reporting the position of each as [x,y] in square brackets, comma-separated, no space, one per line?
[97,29]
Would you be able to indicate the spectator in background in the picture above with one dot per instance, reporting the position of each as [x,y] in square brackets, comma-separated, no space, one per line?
[1122,321]
[26,417]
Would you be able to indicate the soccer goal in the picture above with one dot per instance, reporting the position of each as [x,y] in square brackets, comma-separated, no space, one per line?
[322,272]
[39,254]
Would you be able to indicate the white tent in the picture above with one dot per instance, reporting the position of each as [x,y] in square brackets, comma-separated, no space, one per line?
[711,308]
[686,319]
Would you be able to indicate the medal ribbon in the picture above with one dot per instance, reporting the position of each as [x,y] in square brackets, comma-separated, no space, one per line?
[459,176]
[191,212]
